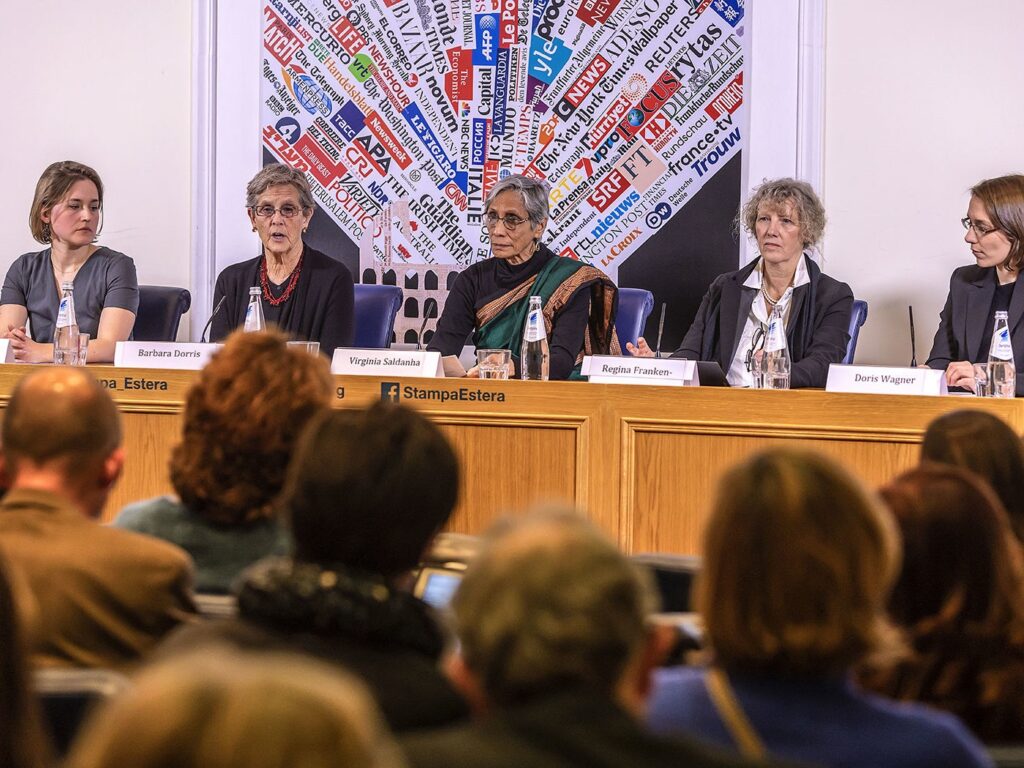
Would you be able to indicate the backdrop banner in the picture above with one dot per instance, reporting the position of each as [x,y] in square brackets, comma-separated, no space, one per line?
[404,113]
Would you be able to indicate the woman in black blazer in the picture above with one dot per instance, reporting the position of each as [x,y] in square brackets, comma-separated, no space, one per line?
[995,231]
[787,219]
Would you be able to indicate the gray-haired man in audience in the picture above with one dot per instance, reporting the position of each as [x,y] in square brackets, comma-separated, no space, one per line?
[556,654]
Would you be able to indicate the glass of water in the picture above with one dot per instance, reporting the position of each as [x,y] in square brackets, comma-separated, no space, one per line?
[494,363]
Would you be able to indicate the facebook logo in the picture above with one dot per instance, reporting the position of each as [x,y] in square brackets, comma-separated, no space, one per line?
[389,391]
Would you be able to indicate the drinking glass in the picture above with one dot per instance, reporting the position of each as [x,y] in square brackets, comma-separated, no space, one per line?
[82,355]
[313,347]
[982,385]
[494,363]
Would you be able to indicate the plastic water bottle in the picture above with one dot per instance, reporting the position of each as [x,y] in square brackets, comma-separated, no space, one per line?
[534,357]
[65,334]
[1002,371]
[775,364]
[254,312]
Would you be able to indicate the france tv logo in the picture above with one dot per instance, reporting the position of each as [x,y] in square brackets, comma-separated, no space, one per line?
[390,391]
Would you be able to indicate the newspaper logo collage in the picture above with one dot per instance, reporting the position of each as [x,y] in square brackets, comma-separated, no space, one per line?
[404,113]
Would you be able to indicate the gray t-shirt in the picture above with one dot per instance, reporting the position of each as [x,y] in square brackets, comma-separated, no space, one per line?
[106,279]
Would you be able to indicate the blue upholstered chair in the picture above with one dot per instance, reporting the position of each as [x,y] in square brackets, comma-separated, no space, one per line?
[160,311]
[857,318]
[375,309]
[635,306]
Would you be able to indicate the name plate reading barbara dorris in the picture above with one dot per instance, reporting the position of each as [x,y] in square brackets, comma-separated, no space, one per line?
[163,354]
[387,362]
[668,372]
[885,380]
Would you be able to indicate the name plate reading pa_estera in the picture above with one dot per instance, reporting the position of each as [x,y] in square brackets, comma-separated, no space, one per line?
[668,372]
[387,362]
[885,380]
[163,354]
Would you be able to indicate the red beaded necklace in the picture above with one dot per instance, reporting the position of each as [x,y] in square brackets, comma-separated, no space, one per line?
[292,282]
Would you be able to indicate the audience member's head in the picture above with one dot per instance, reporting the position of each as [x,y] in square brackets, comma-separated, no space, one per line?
[798,562]
[961,563]
[370,488]
[61,432]
[242,419]
[987,446]
[214,709]
[549,605]
[21,739]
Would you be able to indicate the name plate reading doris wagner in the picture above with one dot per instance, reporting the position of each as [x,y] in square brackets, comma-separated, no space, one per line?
[885,380]
[387,362]
[668,372]
[163,354]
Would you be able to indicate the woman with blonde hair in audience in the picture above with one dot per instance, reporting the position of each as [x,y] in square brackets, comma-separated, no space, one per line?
[245,711]
[243,417]
[987,446]
[798,563]
[22,744]
[960,598]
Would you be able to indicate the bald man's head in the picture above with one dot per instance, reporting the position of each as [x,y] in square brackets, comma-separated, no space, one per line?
[60,417]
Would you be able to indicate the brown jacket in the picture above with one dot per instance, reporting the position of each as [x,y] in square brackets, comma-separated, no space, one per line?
[105,596]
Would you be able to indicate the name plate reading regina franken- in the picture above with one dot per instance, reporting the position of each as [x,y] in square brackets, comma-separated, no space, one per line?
[885,380]
[387,362]
[163,354]
[668,372]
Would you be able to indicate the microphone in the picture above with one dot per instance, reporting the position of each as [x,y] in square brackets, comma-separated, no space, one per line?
[202,337]
[913,343]
[661,330]
[429,311]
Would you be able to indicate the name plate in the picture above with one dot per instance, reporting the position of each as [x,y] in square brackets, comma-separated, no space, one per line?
[163,354]
[387,362]
[6,352]
[668,372]
[885,380]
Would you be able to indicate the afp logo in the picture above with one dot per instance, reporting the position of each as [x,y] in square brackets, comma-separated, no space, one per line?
[390,391]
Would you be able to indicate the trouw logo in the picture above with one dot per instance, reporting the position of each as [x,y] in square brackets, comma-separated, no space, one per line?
[390,391]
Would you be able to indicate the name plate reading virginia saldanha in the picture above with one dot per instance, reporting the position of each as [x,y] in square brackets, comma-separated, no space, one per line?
[163,354]
[669,372]
[387,362]
[885,380]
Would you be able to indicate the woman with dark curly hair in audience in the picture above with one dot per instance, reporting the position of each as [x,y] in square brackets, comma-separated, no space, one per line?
[960,598]
[798,563]
[22,744]
[366,493]
[242,419]
[988,447]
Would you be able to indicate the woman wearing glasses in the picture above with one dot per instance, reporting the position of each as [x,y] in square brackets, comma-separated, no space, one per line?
[995,233]
[490,298]
[787,219]
[66,216]
[306,294]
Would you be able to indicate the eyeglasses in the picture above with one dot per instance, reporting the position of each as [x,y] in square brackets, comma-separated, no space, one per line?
[511,221]
[756,345]
[266,211]
[979,229]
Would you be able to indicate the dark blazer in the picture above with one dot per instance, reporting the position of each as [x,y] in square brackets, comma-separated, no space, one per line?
[817,332]
[563,730]
[966,315]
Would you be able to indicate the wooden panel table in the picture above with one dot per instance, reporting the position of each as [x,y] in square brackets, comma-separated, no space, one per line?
[642,461]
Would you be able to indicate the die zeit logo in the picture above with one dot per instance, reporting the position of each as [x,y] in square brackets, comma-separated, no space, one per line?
[394,392]
[582,86]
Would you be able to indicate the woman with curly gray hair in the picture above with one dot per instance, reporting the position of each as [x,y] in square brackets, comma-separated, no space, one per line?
[787,219]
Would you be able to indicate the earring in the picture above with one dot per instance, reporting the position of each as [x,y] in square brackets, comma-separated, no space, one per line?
[46,232]
[254,229]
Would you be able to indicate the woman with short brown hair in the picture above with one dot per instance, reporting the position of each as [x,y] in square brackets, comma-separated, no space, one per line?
[798,562]
[243,418]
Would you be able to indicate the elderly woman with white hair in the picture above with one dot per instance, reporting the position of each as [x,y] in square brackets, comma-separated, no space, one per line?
[490,298]
[787,219]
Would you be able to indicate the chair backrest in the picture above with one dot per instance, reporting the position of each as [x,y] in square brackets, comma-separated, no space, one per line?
[376,307]
[857,318]
[66,695]
[673,576]
[635,306]
[160,311]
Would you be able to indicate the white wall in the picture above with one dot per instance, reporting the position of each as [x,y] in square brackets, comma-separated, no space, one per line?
[106,84]
[922,101]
